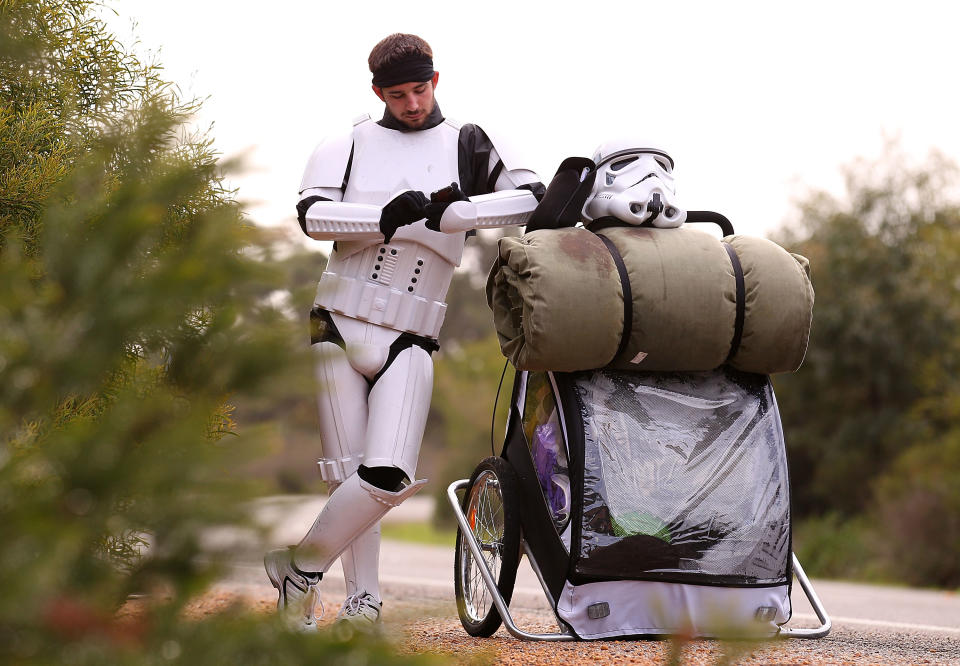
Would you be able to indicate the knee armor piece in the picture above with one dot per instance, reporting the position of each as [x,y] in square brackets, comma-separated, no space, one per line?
[386,478]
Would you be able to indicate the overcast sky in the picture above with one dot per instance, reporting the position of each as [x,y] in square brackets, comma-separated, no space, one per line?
[757,101]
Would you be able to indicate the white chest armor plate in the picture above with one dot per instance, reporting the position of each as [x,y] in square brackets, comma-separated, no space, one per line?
[401,285]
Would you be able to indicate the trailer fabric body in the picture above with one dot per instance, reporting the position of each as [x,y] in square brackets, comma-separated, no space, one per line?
[671,511]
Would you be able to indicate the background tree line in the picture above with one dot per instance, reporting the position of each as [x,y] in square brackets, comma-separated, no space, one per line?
[871,418]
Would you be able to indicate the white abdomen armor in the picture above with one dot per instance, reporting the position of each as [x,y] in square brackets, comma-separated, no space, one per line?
[401,285]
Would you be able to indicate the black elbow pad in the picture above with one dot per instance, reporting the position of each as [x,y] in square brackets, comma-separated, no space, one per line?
[303,206]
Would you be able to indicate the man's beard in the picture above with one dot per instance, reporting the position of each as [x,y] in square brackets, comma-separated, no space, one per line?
[432,119]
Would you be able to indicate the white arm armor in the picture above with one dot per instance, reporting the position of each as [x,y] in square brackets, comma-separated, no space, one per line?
[335,219]
[505,207]
[486,211]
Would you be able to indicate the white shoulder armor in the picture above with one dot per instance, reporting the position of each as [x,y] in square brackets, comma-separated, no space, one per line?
[512,155]
[328,163]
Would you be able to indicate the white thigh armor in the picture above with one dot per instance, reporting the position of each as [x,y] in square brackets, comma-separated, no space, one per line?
[342,406]
[380,425]
[399,403]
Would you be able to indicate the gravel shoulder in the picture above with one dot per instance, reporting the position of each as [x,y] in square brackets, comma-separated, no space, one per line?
[420,614]
[421,617]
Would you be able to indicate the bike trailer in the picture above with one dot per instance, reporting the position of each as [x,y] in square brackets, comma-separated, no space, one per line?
[647,504]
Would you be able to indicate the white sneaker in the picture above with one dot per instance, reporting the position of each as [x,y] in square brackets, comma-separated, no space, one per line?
[298,595]
[361,611]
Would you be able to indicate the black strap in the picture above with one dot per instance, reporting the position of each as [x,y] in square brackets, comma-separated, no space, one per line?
[323,328]
[405,341]
[608,221]
[741,301]
[627,294]
[346,173]
[494,174]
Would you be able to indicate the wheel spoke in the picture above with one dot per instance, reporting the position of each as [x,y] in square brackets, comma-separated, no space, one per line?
[485,506]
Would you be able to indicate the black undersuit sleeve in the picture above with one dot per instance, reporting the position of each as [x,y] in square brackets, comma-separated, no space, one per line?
[473,159]
[303,206]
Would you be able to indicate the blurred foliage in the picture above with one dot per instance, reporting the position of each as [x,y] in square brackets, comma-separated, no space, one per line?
[917,517]
[419,533]
[465,388]
[870,415]
[285,421]
[840,548]
[137,305]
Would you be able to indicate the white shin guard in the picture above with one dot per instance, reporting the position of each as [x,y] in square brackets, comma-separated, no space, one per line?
[361,559]
[352,509]
[361,563]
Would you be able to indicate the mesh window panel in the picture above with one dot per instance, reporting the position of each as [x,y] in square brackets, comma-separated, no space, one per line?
[544,435]
[685,478]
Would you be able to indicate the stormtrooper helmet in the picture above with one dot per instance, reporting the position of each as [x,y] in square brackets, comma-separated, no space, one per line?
[634,183]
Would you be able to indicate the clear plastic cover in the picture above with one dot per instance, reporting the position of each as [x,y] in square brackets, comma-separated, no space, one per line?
[544,435]
[685,478]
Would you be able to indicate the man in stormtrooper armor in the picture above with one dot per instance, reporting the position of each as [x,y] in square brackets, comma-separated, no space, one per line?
[380,304]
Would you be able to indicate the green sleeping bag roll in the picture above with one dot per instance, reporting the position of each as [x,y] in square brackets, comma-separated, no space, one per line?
[684,299]
[553,290]
[558,301]
[779,306]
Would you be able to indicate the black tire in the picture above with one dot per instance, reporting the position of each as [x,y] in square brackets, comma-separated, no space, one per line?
[491,504]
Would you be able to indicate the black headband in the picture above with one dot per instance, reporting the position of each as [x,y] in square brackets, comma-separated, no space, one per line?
[409,68]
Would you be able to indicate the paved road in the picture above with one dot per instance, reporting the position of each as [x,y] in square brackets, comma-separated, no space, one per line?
[901,624]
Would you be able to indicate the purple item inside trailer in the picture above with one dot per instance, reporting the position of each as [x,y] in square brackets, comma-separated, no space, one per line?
[552,474]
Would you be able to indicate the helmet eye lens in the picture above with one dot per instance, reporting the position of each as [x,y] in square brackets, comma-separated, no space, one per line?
[619,164]
[664,164]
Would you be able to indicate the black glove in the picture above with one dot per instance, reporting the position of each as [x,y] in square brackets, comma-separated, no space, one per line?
[405,208]
[439,201]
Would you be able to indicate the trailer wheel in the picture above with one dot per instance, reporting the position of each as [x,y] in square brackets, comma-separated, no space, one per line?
[491,505]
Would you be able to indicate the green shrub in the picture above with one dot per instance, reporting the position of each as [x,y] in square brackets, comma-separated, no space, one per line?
[830,546]
[917,514]
[134,309]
